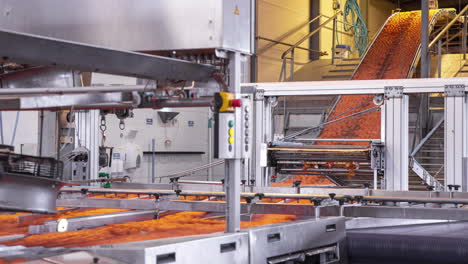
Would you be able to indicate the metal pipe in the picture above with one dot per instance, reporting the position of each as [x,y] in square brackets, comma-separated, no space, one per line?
[210,144]
[447,38]
[464,36]
[290,45]
[337,139]
[310,34]
[291,66]
[41,131]
[153,160]
[375,180]
[290,33]
[425,59]
[1,127]
[203,102]
[74,90]
[233,166]
[339,21]
[253,41]
[191,171]
[454,20]
[429,135]
[370,197]
[333,41]
[439,59]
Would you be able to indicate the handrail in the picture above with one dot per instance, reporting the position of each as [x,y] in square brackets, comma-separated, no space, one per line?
[424,140]
[339,21]
[306,37]
[448,26]
[288,34]
[290,45]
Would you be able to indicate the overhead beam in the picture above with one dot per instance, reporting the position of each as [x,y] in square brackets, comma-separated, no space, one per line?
[39,50]
[409,86]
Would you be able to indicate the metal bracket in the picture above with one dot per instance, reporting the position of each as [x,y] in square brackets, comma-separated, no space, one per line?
[248,89]
[259,95]
[454,90]
[393,92]
[377,156]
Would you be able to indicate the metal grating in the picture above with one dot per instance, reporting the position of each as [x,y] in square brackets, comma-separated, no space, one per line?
[31,165]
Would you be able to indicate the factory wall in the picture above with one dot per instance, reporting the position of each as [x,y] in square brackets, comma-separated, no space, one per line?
[180,144]
[275,19]
[27,132]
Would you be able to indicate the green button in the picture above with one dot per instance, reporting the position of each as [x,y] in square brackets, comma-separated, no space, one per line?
[231,123]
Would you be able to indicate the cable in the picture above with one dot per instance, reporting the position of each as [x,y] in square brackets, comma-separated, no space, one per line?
[358,26]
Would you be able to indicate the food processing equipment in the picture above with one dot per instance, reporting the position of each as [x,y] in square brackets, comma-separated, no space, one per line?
[183,221]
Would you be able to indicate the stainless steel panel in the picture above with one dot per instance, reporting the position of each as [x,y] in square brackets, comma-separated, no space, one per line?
[85,222]
[407,212]
[277,240]
[139,25]
[39,50]
[28,193]
[214,248]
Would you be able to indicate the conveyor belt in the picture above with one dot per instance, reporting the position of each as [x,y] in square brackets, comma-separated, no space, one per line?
[433,243]
[392,55]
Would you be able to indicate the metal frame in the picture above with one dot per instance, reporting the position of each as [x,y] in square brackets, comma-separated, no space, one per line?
[394,117]
[456,137]
[396,143]
[39,50]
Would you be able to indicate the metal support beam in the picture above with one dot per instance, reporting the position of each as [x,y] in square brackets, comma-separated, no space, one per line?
[34,49]
[233,166]
[259,137]
[456,136]
[464,41]
[425,57]
[396,141]
[410,86]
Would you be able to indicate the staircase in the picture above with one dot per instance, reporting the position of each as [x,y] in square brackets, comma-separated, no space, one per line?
[428,162]
[343,70]
[324,70]
[463,72]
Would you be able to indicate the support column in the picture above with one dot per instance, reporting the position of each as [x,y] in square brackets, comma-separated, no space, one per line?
[88,135]
[259,136]
[233,166]
[455,136]
[425,57]
[396,139]
[268,131]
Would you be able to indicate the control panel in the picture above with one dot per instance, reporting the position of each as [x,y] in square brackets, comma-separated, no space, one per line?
[224,136]
[247,129]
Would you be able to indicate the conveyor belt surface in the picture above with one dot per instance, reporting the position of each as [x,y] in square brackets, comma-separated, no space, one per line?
[390,56]
[432,243]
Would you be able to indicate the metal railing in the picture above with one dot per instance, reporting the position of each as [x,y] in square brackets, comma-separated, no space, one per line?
[425,176]
[428,136]
[289,54]
[444,32]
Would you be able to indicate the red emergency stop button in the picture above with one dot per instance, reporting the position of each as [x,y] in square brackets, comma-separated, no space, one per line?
[236,102]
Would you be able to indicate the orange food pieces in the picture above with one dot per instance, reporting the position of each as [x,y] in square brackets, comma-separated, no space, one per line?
[390,57]
[305,180]
[179,224]
[9,223]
